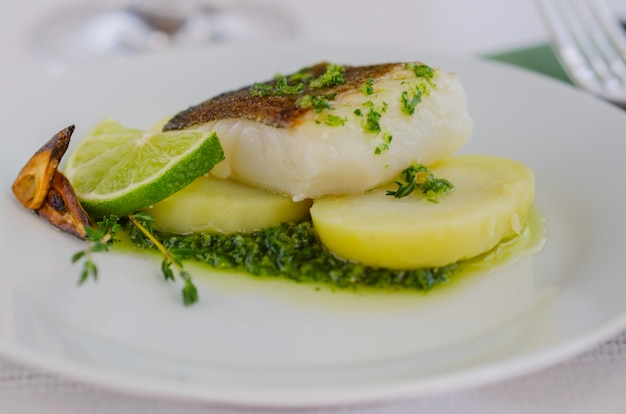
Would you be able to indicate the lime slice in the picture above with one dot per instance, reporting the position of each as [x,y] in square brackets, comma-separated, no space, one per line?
[119,170]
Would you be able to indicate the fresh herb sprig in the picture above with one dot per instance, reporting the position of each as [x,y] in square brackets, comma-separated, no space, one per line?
[418,177]
[143,223]
[102,237]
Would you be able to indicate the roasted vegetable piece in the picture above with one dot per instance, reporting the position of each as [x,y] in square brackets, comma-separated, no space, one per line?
[32,184]
[40,187]
[61,208]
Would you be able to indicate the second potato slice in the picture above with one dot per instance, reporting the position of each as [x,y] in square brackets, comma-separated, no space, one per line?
[211,204]
[489,204]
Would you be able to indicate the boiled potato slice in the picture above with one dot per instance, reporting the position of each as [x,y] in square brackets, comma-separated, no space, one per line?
[489,203]
[211,204]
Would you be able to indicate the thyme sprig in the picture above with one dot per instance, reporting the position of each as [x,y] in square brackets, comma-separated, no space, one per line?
[143,223]
[418,177]
[102,237]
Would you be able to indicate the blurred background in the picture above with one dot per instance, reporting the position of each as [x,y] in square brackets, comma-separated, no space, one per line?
[48,36]
[43,37]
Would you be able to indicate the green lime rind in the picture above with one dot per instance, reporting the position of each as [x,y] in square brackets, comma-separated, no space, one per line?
[112,172]
[175,179]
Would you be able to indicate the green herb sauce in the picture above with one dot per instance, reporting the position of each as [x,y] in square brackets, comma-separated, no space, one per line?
[293,251]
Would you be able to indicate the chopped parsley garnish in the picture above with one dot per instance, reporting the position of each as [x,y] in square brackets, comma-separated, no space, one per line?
[410,99]
[417,177]
[421,70]
[302,82]
[302,75]
[334,120]
[282,87]
[318,102]
[384,146]
[262,89]
[371,124]
[372,121]
[333,76]
[408,104]
[368,88]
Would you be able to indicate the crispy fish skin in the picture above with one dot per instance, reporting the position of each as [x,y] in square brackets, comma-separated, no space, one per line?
[279,111]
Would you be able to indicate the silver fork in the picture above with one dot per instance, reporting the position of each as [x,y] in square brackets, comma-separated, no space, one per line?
[590,44]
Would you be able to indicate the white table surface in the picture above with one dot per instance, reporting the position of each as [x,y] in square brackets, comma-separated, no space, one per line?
[592,382]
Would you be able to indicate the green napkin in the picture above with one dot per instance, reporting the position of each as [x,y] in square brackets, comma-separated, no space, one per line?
[539,58]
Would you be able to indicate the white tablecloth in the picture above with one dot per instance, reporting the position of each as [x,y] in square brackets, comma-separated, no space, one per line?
[592,382]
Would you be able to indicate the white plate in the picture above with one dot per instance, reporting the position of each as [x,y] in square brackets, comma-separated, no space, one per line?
[270,343]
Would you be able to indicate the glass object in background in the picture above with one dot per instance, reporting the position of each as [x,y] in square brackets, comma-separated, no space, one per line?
[86,32]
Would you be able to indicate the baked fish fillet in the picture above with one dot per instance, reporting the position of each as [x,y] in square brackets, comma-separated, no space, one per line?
[332,129]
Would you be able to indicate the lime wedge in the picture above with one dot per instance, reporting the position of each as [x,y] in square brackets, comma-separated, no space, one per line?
[119,170]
